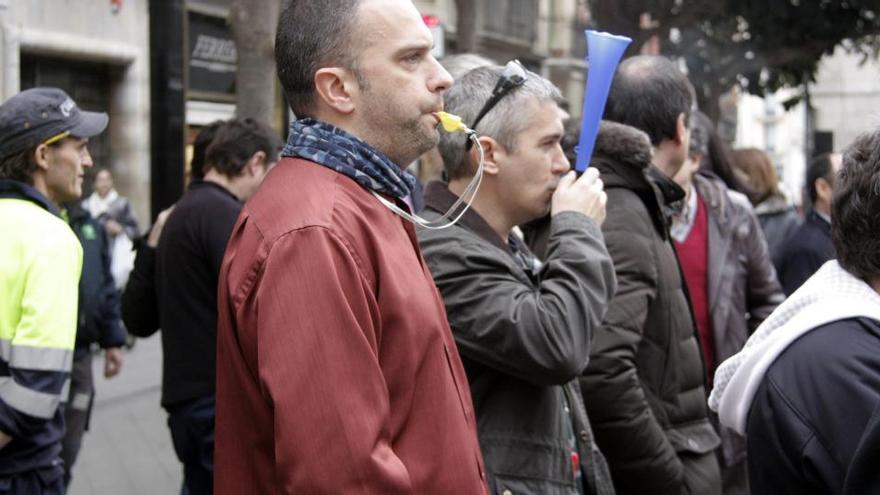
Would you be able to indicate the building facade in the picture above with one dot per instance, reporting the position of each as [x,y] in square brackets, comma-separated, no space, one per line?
[162,70]
[846,97]
[547,36]
[844,102]
[97,51]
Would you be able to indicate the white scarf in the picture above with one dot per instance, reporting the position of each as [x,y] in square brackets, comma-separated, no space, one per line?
[97,206]
[832,294]
[683,221]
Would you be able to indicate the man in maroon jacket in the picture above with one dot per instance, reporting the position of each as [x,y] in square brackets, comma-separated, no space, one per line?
[336,368]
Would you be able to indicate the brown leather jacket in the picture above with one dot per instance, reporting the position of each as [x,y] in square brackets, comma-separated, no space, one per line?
[743,289]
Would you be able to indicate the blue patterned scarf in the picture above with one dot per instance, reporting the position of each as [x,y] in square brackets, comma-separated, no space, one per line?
[336,149]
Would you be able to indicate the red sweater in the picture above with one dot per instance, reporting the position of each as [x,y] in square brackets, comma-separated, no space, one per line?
[336,368]
[693,254]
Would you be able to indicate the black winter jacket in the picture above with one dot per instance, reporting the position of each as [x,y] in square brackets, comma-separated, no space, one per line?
[814,423]
[99,319]
[778,221]
[523,330]
[808,248]
[645,380]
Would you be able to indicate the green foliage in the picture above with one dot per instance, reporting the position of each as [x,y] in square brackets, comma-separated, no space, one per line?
[762,45]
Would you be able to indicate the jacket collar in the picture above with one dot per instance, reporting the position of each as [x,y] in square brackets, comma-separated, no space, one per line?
[713,192]
[206,184]
[816,220]
[772,205]
[20,190]
[670,193]
[76,213]
[439,198]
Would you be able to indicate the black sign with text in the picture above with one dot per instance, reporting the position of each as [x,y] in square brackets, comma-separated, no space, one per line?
[212,56]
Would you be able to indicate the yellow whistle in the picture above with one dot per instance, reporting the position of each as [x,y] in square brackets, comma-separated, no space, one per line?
[451,123]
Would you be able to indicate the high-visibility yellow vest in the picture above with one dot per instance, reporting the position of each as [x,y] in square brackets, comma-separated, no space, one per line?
[40,266]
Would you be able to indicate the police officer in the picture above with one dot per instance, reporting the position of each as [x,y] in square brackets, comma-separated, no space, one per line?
[43,156]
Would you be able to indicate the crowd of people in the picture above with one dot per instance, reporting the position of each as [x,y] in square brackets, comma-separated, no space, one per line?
[664,323]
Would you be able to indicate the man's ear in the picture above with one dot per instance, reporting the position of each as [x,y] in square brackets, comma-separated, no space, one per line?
[255,163]
[681,128]
[335,86]
[493,154]
[41,157]
[824,189]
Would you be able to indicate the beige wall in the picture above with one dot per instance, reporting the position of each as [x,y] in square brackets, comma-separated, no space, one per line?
[846,96]
[90,30]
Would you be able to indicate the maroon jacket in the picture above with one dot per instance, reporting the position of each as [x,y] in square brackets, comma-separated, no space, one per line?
[336,368]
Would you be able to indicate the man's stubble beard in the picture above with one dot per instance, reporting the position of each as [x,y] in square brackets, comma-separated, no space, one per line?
[402,140]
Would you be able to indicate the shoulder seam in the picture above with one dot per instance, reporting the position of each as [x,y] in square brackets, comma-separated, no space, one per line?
[248,284]
[814,435]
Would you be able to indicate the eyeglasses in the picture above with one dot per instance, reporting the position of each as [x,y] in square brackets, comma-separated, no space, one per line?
[514,76]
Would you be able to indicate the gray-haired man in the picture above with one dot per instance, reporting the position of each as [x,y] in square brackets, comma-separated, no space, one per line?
[523,328]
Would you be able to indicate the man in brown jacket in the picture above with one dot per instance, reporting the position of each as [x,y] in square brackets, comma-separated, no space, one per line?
[645,384]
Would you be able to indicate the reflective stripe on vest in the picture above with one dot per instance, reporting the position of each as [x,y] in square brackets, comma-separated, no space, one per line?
[31,402]
[35,358]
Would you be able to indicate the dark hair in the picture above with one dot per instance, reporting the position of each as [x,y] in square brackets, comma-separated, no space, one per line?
[19,167]
[200,146]
[760,173]
[649,93]
[313,34]
[855,223]
[818,168]
[235,143]
[717,156]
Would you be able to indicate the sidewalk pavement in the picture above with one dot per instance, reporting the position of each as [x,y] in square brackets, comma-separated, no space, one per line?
[128,447]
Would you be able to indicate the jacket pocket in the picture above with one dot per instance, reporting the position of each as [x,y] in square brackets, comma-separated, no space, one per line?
[702,474]
[697,438]
[522,465]
[512,485]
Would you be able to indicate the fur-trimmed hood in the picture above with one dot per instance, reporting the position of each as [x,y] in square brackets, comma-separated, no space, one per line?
[623,156]
[624,145]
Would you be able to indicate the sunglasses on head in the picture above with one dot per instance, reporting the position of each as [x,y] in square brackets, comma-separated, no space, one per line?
[513,76]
